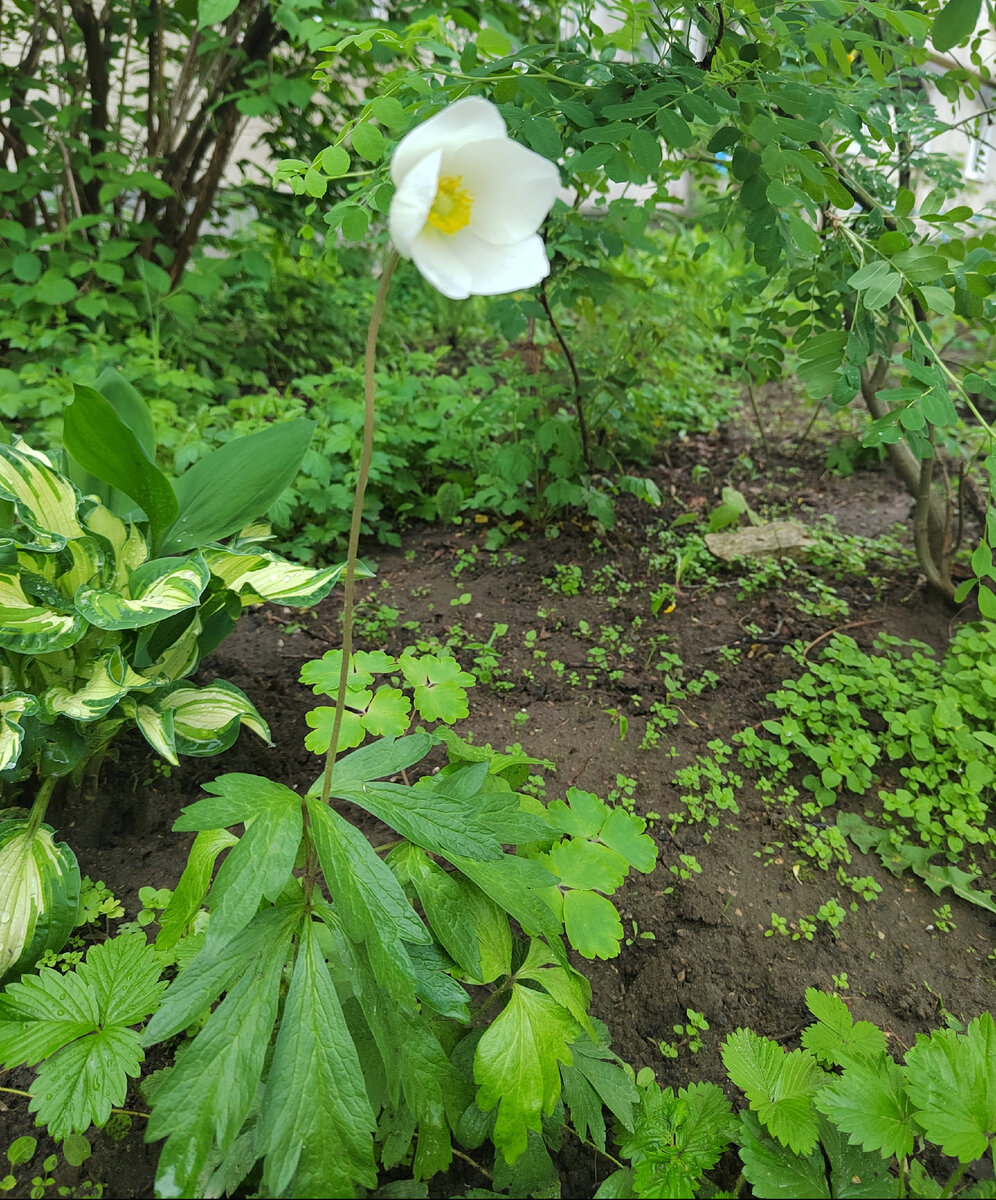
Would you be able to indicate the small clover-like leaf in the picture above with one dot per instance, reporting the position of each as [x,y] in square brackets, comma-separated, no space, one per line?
[589,865]
[321,721]
[388,713]
[582,815]
[323,673]
[623,832]
[440,686]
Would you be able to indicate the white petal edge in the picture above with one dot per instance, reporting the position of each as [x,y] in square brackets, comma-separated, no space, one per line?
[464,265]
[472,119]
[513,188]
[411,203]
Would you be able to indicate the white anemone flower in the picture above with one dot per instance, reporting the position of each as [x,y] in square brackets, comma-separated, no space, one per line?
[468,203]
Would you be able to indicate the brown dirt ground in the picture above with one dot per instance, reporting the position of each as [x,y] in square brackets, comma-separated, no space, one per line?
[708,952]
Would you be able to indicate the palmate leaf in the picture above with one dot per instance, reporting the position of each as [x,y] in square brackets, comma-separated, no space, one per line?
[779,1086]
[440,686]
[316,1123]
[79,1024]
[952,1083]
[516,1065]
[869,1103]
[592,924]
[836,1038]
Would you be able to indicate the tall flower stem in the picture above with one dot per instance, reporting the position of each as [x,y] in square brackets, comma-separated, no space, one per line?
[366,453]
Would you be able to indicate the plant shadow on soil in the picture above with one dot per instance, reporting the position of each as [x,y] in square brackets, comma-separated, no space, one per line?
[708,952]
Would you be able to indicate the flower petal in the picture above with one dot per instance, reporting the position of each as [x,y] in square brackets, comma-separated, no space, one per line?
[513,188]
[412,201]
[472,119]
[462,264]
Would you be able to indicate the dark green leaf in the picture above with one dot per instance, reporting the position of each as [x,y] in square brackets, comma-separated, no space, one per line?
[228,488]
[954,23]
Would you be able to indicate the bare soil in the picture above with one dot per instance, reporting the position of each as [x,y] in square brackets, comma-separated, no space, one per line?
[708,951]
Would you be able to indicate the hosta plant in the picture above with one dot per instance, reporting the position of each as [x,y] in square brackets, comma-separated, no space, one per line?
[114,588]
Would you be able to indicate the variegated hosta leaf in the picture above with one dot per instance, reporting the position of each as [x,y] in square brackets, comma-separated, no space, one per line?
[157,589]
[179,659]
[265,576]
[13,706]
[155,727]
[39,894]
[79,562]
[110,679]
[127,548]
[30,628]
[207,720]
[44,500]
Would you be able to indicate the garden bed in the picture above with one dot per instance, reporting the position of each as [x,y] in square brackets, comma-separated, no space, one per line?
[574,678]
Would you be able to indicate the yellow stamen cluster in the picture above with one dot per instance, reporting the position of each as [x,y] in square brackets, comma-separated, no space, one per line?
[450,210]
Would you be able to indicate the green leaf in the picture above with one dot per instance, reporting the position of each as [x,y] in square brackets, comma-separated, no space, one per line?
[44,500]
[954,23]
[260,864]
[101,442]
[597,1077]
[623,833]
[584,864]
[225,490]
[78,1024]
[157,589]
[265,576]
[208,1094]
[674,129]
[677,1138]
[443,901]
[777,1173]
[952,1083]
[516,1066]
[316,1124]
[835,1038]
[210,12]
[592,924]
[440,686]
[368,141]
[189,893]
[869,1103]
[207,720]
[856,1174]
[779,1086]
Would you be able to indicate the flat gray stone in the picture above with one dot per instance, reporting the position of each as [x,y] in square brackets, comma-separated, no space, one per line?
[776,539]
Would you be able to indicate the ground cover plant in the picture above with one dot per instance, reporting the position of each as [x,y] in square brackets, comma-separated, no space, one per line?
[356,1013]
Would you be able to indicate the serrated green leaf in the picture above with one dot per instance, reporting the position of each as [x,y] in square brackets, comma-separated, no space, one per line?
[259,865]
[189,893]
[212,971]
[315,1123]
[442,823]
[215,1077]
[869,1103]
[836,1038]
[677,1138]
[78,1086]
[856,1174]
[442,900]
[952,1084]
[776,1172]
[515,885]
[779,1086]
[516,1065]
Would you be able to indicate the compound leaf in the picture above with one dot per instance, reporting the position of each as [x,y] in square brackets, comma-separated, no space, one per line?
[440,686]
[592,924]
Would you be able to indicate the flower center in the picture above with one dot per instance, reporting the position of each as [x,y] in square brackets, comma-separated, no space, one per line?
[450,210]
